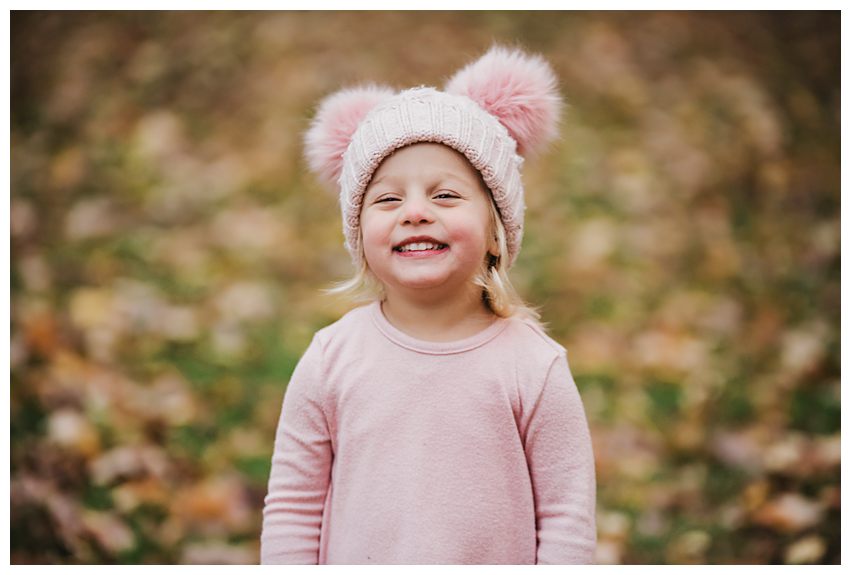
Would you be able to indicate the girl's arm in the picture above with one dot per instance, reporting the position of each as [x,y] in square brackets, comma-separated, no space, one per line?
[561,465]
[301,469]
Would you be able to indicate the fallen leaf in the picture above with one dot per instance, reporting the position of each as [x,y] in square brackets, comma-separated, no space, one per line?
[129,461]
[109,531]
[739,449]
[689,548]
[608,552]
[216,504]
[218,553]
[69,428]
[807,550]
[131,494]
[789,513]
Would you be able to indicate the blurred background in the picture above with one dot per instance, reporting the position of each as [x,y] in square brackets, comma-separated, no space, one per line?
[168,248]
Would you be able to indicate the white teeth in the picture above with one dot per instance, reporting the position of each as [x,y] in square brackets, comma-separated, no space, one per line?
[418,247]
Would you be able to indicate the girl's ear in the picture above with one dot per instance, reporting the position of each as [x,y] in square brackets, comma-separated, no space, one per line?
[336,121]
[519,89]
[493,247]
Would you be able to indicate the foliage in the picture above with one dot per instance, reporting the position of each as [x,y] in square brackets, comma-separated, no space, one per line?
[168,248]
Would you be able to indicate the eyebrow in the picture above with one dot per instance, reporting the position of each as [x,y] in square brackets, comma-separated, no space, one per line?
[370,188]
[375,182]
[438,177]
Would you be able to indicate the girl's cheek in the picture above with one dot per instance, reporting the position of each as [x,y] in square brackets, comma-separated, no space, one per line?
[474,245]
[369,229]
[469,235]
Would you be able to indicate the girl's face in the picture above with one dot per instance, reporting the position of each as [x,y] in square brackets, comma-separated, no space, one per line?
[425,221]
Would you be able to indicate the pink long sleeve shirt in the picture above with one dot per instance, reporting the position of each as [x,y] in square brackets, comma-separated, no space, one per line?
[394,450]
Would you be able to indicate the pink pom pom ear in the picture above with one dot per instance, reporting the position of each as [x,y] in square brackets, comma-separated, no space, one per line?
[334,125]
[519,89]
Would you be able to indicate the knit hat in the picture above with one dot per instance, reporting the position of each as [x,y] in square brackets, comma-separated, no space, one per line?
[494,111]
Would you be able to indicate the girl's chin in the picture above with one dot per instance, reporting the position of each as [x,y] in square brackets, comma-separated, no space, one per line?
[419,281]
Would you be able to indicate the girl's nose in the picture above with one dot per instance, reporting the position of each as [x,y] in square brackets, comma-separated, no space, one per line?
[416,211]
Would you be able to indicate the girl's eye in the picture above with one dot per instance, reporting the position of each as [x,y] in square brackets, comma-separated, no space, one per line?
[387,199]
[446,196]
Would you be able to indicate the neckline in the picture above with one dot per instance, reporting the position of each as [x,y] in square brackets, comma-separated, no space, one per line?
[407,341]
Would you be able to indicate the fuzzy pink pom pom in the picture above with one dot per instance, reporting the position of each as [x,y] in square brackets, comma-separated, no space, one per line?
[519,89]
[334,125]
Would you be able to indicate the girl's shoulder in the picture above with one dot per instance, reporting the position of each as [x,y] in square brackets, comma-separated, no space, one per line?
[350,323]
[529,337]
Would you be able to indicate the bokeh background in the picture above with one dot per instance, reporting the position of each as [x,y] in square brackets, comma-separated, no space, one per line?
[168,248]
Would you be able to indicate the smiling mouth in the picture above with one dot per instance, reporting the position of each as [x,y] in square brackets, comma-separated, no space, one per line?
[420,247]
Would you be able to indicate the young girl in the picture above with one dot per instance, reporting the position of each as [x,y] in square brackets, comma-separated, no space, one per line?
[439,423]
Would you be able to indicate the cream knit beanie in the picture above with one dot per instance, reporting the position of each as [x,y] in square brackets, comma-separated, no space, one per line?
[494,111]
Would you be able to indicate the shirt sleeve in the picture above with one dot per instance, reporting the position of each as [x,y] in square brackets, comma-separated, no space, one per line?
[561,465]
[301,469]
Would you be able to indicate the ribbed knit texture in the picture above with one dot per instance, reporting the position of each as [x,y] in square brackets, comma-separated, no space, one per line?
[393,450]
[428,115]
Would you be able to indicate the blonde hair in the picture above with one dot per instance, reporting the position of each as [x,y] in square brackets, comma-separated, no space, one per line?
[498,293]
